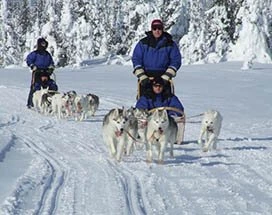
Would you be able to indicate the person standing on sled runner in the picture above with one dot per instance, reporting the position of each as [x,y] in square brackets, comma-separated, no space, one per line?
[156,55]
[159,97]
[41,63]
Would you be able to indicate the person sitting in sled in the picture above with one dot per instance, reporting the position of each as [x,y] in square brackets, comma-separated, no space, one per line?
[44,81]
[41,63]
[159,97]
[156,55]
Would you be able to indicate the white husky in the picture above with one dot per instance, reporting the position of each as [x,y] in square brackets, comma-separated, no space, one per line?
[210,127]
[161,130]
[58,104]
[115,128]
[37,98]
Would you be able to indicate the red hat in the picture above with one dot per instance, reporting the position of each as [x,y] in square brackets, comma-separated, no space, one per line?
[156,22]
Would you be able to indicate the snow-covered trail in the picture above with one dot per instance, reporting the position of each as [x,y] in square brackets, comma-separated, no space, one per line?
[50,166]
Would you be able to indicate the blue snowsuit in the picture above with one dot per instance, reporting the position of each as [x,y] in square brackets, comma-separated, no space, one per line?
[155,56]
[50,83]
[42,59]
[149,103]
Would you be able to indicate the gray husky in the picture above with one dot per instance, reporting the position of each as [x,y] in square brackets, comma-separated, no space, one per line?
[141,116]
[161,130]
[119,132]
[93,103]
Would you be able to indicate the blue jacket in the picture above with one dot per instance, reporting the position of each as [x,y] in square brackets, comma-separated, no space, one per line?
[50,83]
[155,56]
[149,103]
[41,59]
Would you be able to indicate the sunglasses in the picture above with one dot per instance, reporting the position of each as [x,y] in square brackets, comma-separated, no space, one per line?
[154,28]
[43,44]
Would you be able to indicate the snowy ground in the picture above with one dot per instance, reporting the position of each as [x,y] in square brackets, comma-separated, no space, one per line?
[50,166]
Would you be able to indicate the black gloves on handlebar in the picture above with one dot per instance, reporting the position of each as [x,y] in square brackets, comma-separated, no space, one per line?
[50,69]
[33,67]
[142,77]
[145,82]
[169,74]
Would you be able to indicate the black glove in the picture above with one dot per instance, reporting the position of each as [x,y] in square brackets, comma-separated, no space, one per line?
[169,73]
[165,82]
[140,73]
[145,82]
[50,69]
[33,67]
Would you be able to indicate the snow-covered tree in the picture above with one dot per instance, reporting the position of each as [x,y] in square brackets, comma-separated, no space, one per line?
[77,30]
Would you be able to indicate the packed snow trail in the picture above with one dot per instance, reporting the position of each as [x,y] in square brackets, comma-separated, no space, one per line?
[51,166]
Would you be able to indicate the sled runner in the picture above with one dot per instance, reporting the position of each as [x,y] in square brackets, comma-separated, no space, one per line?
[179,120]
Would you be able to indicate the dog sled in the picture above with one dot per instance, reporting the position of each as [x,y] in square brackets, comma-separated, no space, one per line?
[36,81]
[36,78]
[179,120]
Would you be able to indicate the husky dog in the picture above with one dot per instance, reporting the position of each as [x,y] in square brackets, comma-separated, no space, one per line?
[92,105]
[37,98]
[161,130]
[131,131]
[85,105]
[79,102]
[58,103]
[142,119]
[46,100]
[114,129]
[70,104]
[71,93]
[210,127]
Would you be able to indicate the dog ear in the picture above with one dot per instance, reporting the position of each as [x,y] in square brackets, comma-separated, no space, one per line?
[164,112]
[115,112]
[156,112]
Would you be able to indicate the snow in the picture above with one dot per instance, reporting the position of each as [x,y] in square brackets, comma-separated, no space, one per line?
[51,166]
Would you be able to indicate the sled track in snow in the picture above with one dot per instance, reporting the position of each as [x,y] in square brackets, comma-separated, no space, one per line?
[7,148]
[238,184]
[48,201]
[14,120]
[133,192]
